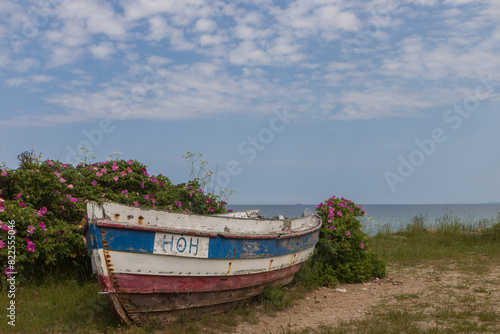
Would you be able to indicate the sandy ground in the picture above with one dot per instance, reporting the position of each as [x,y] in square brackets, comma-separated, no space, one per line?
[355,301]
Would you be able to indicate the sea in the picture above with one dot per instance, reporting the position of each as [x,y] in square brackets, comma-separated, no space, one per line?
[393,216]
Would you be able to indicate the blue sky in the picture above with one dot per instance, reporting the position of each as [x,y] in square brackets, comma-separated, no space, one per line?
[292,101]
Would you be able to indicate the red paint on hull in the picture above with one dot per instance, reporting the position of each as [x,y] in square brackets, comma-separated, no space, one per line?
[129,283]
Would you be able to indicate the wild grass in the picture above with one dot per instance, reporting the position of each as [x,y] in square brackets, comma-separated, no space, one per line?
[469,306]
[58,305]
[448,237]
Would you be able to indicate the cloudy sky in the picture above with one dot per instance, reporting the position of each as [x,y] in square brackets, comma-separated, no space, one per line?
[291,101]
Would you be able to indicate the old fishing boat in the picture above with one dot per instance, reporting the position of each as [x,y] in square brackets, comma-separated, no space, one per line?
[154,264]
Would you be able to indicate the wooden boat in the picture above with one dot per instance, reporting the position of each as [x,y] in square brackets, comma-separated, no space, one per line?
[154,264]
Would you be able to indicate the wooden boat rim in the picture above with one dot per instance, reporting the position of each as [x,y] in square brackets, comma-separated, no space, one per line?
[307,224]
[111,224]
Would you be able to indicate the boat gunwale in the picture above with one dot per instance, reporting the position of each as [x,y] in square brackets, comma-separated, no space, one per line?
[227,235]
[311,223]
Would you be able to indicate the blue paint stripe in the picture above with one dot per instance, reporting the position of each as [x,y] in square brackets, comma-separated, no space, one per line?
[219,248]
[128,240]
[93,238]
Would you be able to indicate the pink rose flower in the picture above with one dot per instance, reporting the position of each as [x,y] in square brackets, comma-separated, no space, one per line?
[31,246]
[8,271]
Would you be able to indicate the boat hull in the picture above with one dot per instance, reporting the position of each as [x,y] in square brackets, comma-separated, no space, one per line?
[162,268]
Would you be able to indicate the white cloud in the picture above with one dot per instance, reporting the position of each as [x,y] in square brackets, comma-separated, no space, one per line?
[208,40]
[175,92]
[308,18]
[62,55]
[206,26]
[24,64]
[42,78]
[97,17]
[158,28]
[181,13]
[425,2]
[102,50]
[247,53]
[73,34]
[458,2]
[284,46]
[246,32]
[157,60]
[379,102]
[17,81]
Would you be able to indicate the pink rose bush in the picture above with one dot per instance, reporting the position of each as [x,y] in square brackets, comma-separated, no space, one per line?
[48,204]
[342,253]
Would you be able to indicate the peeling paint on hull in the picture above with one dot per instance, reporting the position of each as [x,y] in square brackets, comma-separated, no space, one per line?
[159,266]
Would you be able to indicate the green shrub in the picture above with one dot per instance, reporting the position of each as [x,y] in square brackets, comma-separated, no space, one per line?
[273,298]
[342,254]
[44,203]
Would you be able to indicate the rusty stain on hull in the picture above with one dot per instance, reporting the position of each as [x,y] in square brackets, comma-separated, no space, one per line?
[287,225]
[140,220]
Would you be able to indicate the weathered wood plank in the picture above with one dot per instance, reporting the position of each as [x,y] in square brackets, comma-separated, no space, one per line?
[166,302]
